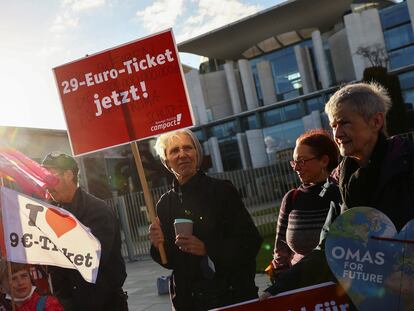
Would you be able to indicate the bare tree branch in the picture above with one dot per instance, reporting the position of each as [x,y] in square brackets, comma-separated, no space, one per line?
[376,55]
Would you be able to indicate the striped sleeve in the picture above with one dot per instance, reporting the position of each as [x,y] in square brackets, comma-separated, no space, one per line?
[282,253]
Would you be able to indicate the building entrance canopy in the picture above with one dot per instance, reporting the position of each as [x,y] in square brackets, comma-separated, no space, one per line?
[268,29]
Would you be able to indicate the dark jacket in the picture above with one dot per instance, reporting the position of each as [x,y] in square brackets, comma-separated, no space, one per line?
[229,234]
[69,284]
[392,192]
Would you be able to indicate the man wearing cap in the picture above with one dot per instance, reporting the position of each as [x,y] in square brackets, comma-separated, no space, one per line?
[69,286]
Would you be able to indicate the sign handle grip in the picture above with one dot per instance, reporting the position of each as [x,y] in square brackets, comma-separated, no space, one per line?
[147,195]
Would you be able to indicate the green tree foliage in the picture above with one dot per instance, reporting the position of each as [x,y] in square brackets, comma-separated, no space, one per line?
[397,122]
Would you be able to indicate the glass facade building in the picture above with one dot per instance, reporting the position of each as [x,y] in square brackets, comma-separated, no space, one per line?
[399,42]
[398,35]
[296,110]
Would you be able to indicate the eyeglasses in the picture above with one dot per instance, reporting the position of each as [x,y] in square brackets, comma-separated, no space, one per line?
[300,163]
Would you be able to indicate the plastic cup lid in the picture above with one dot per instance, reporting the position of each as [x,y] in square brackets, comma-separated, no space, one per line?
[182,220]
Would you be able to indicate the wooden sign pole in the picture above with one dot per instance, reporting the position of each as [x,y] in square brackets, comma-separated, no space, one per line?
[147,195]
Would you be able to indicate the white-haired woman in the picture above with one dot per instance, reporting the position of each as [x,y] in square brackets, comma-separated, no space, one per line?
[376,171]
[215,266]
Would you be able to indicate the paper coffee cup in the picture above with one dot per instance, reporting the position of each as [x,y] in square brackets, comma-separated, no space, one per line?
[183,226]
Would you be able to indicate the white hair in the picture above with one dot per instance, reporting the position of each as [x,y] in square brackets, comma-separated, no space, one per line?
[164,139]
[366,99]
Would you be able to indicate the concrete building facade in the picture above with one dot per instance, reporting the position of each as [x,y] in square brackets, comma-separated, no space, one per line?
[270,84]
[263,85]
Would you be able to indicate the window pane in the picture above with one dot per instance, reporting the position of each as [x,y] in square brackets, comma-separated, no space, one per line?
[257,84]
[200,135]
[398,37]
[272,117]
[407,87]
[282,136]
[394,15]
[401,58]
[249,123]
[285,72]
[409,98]
[223,130]
[407,80]
[290,95]
[293,111]
[230,154]
[315,103]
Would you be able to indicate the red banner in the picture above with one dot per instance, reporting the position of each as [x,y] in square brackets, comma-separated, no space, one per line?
[322,297]
[124,94]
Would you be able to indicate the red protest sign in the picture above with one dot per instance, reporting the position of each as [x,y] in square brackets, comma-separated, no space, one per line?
[322,297]
[124,94]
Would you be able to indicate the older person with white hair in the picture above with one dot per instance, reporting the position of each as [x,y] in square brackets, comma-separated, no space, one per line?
[215,265]
[375,171]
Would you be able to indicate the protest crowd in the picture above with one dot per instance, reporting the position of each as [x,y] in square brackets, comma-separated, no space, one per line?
[208,238]
[209,260]
[342,237]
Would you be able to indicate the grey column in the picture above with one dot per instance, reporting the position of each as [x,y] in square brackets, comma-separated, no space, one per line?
[244,150]
[312,120]
[248,84]
[217,94]
[363,30]
[215,154]
[232,86]
[341,57]
[264,70]
[410,5]
[305,69]
[257,148]
[321,59]
[196,94]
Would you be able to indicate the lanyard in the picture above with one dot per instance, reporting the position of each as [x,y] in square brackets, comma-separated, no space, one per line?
[324,188]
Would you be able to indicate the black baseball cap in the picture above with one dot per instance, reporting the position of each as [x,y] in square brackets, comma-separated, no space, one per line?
[60,161]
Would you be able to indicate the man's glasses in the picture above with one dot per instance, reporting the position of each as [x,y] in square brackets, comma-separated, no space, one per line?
[300,163]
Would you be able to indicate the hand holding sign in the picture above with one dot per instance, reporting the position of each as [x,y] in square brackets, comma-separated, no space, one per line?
[137,88]
[373,262]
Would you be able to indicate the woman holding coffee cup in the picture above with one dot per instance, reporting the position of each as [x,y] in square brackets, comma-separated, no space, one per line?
[210,239]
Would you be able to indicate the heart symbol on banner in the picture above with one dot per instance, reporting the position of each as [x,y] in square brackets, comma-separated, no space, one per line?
[373,263]
[59,222]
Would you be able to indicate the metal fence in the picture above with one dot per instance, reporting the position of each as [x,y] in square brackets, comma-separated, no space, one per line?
[261,190]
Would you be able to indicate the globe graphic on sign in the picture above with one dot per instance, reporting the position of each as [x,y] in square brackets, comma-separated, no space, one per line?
[371,260]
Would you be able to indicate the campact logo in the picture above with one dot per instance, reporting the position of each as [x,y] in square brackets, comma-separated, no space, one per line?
[166,123]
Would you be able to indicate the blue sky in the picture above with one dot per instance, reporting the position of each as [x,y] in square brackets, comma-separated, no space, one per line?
[39,35]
